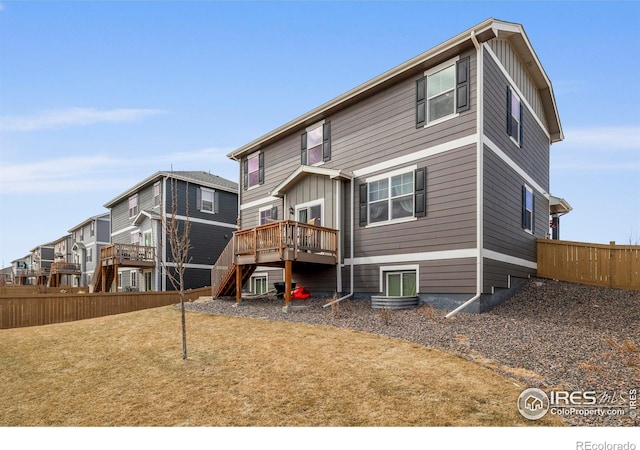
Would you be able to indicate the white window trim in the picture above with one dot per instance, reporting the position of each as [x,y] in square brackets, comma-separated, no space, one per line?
[389,175]
[533,217]
[431,71]
[319,201]
[253,155]
[159,196]
[309,128]
[213,201]
[137,207]
[133,279]
[514,93]
[400,268]
[260,210]
[264,275]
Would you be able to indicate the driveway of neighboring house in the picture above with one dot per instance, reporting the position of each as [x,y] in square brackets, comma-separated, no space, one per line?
[550,335]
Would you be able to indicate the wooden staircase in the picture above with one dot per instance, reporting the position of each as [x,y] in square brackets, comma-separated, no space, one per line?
[223,273]
[101,282]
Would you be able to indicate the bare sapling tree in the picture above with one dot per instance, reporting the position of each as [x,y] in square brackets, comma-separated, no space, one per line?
[177,232]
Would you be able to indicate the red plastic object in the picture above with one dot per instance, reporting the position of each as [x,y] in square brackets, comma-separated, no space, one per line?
[300,293]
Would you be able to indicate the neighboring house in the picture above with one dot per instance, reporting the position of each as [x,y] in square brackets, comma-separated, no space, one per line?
[430,180]
[23,270]
[6,275]
[140,253]
[63,268]
[41,260]
[87,239]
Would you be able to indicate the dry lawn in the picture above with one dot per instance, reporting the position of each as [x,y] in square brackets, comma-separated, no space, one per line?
[126,370]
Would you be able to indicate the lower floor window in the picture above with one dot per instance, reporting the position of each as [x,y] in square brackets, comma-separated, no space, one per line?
[257,284]
[401,284]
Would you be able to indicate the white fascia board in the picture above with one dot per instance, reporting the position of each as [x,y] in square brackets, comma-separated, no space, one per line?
[501,257]
[260,201]
[511,163]
[417,156]
[204,221]
[412,257]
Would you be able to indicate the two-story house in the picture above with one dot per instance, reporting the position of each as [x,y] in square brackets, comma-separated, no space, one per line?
[63,269]
[139,255]
[23,270]
[88,237]
[42,258]
[430,180]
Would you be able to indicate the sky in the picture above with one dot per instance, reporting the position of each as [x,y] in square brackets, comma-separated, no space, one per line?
[97,96]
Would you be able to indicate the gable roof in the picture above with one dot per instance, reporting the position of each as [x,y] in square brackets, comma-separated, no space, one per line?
[200,178]
[303,171]
[105,215]
[484,31]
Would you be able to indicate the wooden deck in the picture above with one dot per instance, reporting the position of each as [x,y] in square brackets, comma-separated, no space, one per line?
[277,244]
[119,255]
[274,243]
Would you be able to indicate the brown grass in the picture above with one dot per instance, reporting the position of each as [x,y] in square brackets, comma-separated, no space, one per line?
[126,370]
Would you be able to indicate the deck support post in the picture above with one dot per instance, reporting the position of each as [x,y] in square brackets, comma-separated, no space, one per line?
[115,278]
[287,282]
[238,283]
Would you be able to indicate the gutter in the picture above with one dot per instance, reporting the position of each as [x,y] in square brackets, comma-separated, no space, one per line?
[351,252]
[479,177]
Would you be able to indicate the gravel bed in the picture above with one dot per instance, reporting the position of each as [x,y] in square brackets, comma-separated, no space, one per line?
[550,335]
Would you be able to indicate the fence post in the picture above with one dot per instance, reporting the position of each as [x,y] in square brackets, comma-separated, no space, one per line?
[612,261]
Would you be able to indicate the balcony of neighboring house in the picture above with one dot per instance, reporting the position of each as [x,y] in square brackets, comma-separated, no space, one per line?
[276,244]
[60,270]
[119,255]
[23,276]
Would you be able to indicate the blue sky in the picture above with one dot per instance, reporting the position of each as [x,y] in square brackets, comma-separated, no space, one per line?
[96,96]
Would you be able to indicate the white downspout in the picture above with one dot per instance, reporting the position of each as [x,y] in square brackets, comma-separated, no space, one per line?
[479,176]
[351,247]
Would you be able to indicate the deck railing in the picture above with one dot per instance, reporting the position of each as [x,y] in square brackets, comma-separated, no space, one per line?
[127,252]
[222,267]
[285,235]
[65,268]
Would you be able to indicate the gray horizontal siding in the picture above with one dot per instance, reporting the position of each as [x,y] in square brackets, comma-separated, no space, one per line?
[502,194]
[454,276]
[496,274]
[451,212]
[533,157]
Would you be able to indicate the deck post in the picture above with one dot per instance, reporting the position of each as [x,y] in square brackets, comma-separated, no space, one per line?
[238,283]
[287,282]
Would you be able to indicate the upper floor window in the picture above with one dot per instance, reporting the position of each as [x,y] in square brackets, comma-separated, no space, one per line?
[443,92]
[393,197]
[253,170]
[514,116]
[92,229]
[528,209]
[133,205]
[206,200]
[267,214]
[315,144]
[156,194]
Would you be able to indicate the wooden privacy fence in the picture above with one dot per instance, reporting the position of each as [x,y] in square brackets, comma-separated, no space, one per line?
[31,310]
[610,265]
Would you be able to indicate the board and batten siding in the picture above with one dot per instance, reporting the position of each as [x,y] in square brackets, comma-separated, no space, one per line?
[518,72]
